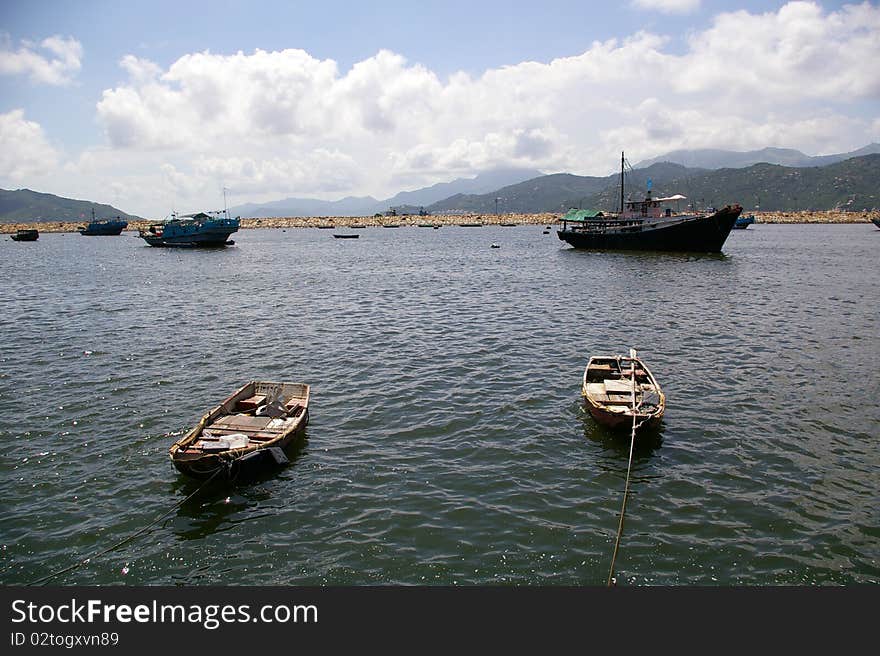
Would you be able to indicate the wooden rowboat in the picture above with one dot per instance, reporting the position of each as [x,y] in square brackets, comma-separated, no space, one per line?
[618,388]
[249,428]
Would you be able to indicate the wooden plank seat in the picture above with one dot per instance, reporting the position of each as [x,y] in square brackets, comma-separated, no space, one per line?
[241,424]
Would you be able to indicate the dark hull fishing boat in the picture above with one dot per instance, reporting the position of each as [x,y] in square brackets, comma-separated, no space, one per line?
[250,428]
[204,229]
[344,235]
[26,235]
[104,227]
[645,226]
[621,392]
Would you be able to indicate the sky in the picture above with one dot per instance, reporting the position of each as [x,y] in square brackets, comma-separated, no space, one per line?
[159,106]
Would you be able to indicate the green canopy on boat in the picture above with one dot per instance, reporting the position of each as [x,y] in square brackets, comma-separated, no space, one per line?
[582,215]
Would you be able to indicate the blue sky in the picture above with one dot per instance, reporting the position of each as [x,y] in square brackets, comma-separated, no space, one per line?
[148,104]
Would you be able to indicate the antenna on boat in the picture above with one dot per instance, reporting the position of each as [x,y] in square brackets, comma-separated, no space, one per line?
[225,211]
[622,160]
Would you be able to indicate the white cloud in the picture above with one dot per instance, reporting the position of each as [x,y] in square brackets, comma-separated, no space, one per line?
[273,124]
[24,151]
[57,67]
[668,6]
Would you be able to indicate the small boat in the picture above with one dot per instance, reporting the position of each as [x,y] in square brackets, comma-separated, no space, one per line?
[203,229]
[643,225]
[470,225]
[743,222]
[248,428]
[618,389]
[26,235]
[390,225]
[326,227]
[495,246]
[103,227]
[508,225]
[357,227]
[343,235]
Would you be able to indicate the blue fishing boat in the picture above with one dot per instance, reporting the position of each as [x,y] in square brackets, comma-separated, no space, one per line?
[202,229]
[103,227]
[743,222]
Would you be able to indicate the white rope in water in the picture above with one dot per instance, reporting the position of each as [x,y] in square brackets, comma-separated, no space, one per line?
[632,443]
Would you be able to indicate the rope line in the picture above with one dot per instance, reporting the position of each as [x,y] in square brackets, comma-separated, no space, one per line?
[628,470]
[131,537]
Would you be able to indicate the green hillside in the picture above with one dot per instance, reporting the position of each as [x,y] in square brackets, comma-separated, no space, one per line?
[852,183]
[26,206]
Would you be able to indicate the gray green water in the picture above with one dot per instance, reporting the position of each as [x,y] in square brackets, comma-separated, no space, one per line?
[448,443]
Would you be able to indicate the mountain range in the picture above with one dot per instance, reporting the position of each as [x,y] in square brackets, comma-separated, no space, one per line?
[769,179]
[849,183]
[708,158]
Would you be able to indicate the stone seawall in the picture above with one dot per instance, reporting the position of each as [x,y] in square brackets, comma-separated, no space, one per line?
[446,220]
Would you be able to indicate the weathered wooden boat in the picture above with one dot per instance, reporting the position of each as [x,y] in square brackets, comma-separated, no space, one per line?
[26,235]
[743,222]
[103,227]
[619,389]
[645,225]
[250,428]
[203,229]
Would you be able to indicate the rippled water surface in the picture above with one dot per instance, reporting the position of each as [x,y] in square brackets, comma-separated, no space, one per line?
[448,442]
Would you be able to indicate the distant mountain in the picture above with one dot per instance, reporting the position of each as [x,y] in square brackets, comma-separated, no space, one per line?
[851,183]
[555,193]
[367,205]
[708,158]
[26,206]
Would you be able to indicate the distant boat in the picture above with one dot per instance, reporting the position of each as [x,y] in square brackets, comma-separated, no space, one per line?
[252,425]
[642,225]
[345,235]
[326,227]
[203,229]
[357,227]
[508,225]
[391,225]
[470,225]
[743,222]
[426,225]
[621,391]
[26,235]
[103,227]
[495,246]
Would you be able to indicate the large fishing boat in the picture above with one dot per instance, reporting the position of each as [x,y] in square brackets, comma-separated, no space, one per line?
[192,230]
[649,225]
[103,227]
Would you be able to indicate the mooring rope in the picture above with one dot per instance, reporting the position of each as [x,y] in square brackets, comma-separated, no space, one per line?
[131,537]
[628,470]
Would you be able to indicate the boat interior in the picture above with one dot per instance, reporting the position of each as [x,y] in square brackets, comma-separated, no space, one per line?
[608,381]
[257,413]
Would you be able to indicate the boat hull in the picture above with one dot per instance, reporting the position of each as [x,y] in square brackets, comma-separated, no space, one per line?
[703,234]
[25,235]
[876,222]
[104,229]
[205,466]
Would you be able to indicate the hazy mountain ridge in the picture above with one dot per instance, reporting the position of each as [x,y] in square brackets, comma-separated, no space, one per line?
[367,206]
[711,158]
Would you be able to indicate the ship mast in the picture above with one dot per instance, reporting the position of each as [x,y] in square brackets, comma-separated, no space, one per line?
[621,181]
